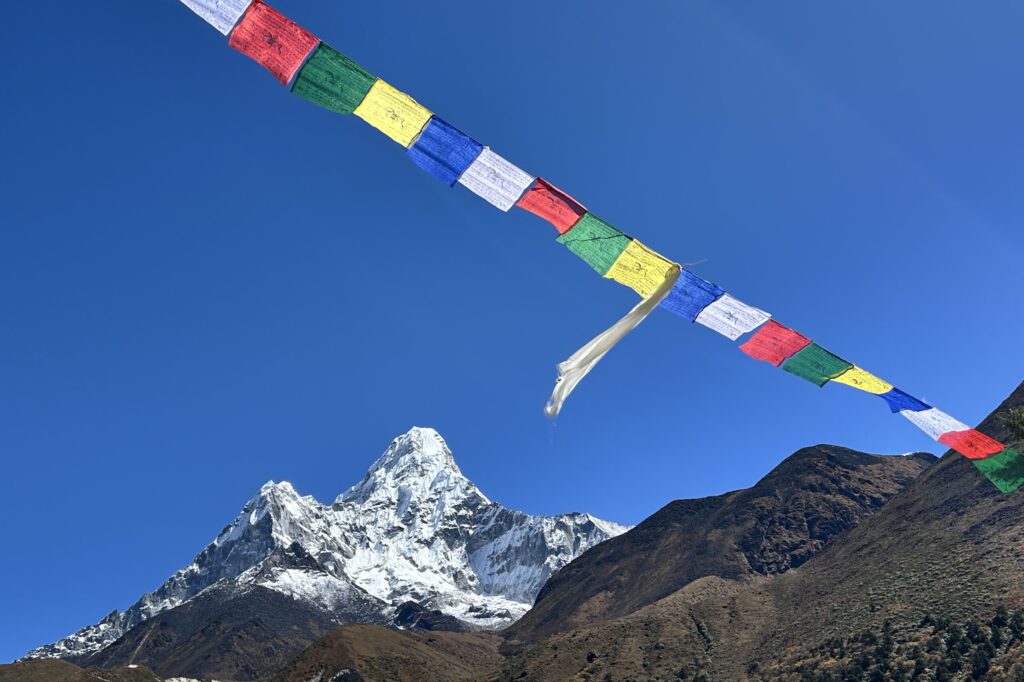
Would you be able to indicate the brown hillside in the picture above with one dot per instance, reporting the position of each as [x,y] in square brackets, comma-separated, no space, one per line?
[811,498]
[948,548]
[370,653]
[950,545]
[62,671]
[224,633]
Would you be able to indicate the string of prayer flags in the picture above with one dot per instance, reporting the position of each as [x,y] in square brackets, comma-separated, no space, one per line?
[496,180]
[595,241]
[444,151]
[553,205]
[899,401]
[1004,469]
[934,422]
[816,364]
[690,295]
[221,14]
[333,81]
[640,269]
[863,380]
[972,444]
[393,112]
[731,317]
[774,343]
[273,40]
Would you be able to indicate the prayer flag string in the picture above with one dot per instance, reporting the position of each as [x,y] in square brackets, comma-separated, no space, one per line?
[325,76]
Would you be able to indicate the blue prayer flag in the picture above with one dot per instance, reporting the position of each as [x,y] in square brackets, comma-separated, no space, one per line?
[444,151]
[898,401]
[690,295]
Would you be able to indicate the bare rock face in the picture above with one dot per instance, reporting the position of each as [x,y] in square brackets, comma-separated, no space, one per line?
[414,530]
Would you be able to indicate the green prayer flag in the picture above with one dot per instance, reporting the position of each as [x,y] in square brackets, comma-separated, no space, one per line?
[596,242]
[816,364]
[1005,469]
[333,81]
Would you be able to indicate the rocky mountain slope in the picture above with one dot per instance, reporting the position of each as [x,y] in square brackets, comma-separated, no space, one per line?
[950,547]
[364,653]
[811,498]
[414,530]
[931,582]
[236,632]
[62,671]
[634,607]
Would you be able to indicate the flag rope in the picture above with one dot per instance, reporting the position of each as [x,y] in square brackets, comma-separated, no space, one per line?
[325,76]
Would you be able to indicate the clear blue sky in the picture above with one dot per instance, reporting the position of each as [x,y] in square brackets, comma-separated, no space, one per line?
[206,282]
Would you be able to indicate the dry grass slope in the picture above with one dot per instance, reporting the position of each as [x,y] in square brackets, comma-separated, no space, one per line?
[370,653]
[62,671]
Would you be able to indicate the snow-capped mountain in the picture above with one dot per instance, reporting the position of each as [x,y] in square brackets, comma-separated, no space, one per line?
[414,529]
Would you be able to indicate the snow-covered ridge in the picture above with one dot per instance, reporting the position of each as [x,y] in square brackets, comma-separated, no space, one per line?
[413,529]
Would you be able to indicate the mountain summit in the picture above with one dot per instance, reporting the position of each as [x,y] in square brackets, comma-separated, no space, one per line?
[417,466]
[414,533]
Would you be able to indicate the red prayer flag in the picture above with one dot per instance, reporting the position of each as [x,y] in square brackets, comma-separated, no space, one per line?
[972,444]
[553,205]
[272,39]
[774,343]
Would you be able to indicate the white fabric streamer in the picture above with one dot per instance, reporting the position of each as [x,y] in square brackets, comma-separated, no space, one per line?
[221,14]
[579,364]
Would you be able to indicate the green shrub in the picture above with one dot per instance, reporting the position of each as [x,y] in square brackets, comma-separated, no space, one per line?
[1013,420]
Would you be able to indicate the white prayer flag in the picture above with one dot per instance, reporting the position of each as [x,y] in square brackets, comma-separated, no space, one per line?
[934,422]
[731,317]
[496,179]
[221,14]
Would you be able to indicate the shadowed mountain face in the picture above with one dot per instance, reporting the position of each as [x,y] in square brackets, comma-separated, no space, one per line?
[789,516]
[62,671]
[227,632]
[922,585]
[950,545]
[367,653]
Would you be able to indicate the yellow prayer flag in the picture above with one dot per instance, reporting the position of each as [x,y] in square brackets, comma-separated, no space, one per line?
[864,380]
[393,112]
[640,269]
